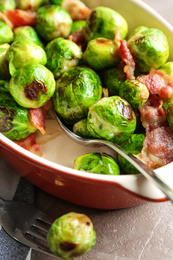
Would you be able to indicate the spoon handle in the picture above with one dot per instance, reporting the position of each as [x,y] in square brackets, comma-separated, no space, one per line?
[143,168]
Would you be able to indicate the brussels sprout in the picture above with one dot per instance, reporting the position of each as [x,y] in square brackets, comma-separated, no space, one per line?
[56,2]
[24,52]
[6,34]
[76,90]
[111,118]
[27,32]
[77,25]
[149,48]
[53,21]
[102,53]
[134,146]
[4,65]
[167,68]
[103,22]
[71,235]
[135,92]
[7,5]
[32,85]
[138,29]
[169,114]
[61,55]
[80,128]
[4,86]
[30,4]
[14,120]
[97,163]
[112,79]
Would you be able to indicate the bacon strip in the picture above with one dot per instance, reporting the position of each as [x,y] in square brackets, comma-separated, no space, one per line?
[152,114]
[20,17]
[38,119]
[78,38]
[76,9]
[6,20]
[158,83]
[29,143]
[157,148]
[127,58]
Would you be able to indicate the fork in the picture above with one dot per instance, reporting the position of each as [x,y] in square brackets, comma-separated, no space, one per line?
[26,224]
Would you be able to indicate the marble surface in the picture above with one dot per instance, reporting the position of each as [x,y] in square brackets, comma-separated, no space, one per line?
[143,232]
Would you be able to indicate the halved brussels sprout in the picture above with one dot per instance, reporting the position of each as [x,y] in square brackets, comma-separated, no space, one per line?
[80,128]
[97,163]
[134,146]
[15,120]
[76,90]
[71,235]
[61,55]
[103,22]
[6,34]
[4,65]
[27,32]
[53,21]
[32,85]
[111,118]
[29,4]
[7,5]
[25,52]
[167,68]
[149,48]
[102,53]
[135,92]
[112,79]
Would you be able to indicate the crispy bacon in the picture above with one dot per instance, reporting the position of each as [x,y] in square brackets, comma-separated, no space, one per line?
[20,17]
[152,114]
[29,143]
[128,60]
[6,20]
[38,119]
[158,83]
[158,147]
[78,38]
[76,9]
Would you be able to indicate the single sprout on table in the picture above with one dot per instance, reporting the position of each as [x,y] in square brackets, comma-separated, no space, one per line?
[61,55]
[30,4]
[7,5]
[4,64]
[15,121]
[167,68]
[103,22]
[135,92]
[102,53]
[32,85]
[53,21]
[112,79]
[80,128]
[149,48]
[97,163]
[24,52]
[112,119]
[71,236]
[6,34]
[27,32]
[134,146]
[76,90]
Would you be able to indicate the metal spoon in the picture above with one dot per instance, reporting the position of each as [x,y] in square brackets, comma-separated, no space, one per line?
[143,168]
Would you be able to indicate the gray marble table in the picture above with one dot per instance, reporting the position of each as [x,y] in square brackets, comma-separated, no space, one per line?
[143,232]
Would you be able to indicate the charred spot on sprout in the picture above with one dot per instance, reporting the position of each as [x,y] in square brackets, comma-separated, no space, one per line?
[66,246]
[33,90]
[6,119]
[127,112]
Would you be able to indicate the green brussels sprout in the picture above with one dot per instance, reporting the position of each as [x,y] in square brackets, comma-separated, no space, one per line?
[27,32]
[53,21]
[80,128]
[103,22]
[71,235]
[135,92]
[169,114]
[61,55]
[32,85]
[97,163]
[102,53]
[56,2]
[112,79]
[4,86]
[24,52]
[112,119]
[149,48]
[4,65]
[29,4]
[6,34]
[7,5]
[77,25]
[15,120]
[76,90]
[138,29]
[134,146]
[167,68]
